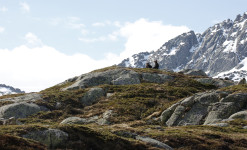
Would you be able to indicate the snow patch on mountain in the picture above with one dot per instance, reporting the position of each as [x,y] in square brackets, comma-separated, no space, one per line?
[6,90]
[219,51]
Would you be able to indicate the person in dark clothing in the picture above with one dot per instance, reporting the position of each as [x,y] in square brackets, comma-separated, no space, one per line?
[156,65]
[148,65]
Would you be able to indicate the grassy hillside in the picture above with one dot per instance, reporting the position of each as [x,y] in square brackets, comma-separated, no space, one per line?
[136,110]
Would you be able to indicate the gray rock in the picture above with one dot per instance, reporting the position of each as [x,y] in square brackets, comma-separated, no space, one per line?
[239,115]
[92,96]
[31,97]
[105,118]
[217,82]
[177,114]
[78,120]
[220,111]
[19,110]
[166,114]
[153,142]
[245,127]
[194,72]
[188,102]
[53,138]
[220,124]
[114,76]
[126,80]
[206,108]
[156,78]
[191,110]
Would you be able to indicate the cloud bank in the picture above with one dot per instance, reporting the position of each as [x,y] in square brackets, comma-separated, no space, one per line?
[143,35]
[35,66]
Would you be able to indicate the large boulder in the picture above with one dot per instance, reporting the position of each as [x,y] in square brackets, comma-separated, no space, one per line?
[239,115]
[115,76]
[190,111]
[92,96]
[205,108]
[220,83]
[53,138]
[19,110]
[156,78]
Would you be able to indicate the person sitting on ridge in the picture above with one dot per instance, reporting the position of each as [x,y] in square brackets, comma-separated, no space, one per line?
[148,65]
[156,65]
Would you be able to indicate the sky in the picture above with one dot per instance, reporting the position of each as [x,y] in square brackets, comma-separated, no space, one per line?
[45,42]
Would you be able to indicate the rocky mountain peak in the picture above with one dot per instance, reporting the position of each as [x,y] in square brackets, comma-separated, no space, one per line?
[5,90]
[221,48]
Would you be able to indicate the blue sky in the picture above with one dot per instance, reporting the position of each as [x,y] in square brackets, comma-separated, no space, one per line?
[46,42]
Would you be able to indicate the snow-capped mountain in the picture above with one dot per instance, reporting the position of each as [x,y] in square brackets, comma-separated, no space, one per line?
[220,51]
[5,90]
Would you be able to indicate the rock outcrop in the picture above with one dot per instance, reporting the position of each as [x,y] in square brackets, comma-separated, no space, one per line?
[205,108]
[194,72]
[50,137]
[19,110]
[92,96]
[219,83]
[119,76]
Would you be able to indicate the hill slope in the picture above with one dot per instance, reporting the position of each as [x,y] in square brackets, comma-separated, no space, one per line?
[119,108]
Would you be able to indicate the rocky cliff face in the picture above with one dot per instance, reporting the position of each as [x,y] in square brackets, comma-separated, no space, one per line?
[221,48]
[5,90]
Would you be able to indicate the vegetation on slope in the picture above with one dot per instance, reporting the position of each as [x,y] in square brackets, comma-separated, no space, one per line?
[136,110]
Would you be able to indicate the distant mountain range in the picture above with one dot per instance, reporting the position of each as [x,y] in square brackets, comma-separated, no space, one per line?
[220,51]
[5,90]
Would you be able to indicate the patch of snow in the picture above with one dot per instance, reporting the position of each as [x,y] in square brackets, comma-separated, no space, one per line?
[242,41]
[127,64]
[233,34]
[235,74]
[177,69]
[182,43]
[173,51]
[193,49]
[230,46]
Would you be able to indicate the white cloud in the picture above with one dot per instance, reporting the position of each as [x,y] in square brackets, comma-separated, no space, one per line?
[37,68]
[32,40]
[1,29]
[110,37]
[25,7]
[3,9]
[143,35]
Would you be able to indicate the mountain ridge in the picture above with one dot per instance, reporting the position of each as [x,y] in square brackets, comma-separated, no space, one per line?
[218,49]
[6,90]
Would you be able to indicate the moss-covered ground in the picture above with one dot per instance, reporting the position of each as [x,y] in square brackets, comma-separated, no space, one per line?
[136,110]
